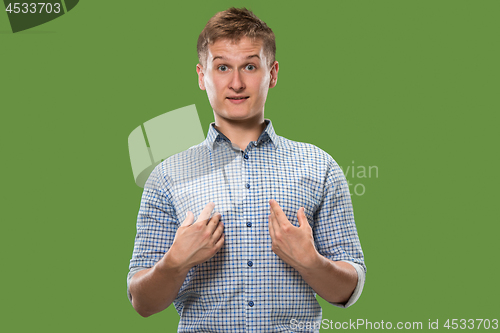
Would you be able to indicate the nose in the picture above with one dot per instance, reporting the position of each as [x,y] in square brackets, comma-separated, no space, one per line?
[236,83]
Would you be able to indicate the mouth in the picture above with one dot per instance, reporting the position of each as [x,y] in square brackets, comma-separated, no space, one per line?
[237,99]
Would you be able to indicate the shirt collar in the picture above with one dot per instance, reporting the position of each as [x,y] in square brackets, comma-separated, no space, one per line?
[215,136]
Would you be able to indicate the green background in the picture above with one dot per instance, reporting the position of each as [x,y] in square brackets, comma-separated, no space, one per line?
[411,87]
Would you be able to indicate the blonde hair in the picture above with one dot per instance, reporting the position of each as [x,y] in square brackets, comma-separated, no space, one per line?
[233,24]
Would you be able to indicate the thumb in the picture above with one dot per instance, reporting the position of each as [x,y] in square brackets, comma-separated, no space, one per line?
[301,215]
[188,220]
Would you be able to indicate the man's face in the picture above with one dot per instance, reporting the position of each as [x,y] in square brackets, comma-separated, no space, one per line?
[237,78]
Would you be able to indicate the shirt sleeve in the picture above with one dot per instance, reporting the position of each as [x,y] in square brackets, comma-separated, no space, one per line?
[157,224]
[334,231]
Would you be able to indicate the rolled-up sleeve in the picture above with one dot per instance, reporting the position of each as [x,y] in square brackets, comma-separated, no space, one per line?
[157,224]
[334,231]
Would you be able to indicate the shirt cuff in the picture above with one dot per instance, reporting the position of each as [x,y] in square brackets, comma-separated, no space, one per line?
[129,278]
[359,287]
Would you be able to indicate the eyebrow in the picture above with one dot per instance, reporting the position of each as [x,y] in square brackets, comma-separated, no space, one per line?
[224,58]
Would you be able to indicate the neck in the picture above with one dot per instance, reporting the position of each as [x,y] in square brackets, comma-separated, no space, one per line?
[241,132]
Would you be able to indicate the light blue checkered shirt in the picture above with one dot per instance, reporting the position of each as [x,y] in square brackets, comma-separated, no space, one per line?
[245,287]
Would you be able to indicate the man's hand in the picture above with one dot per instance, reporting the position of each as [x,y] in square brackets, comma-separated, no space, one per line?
[333,280]
[155,288]
[294,245]
[196,243]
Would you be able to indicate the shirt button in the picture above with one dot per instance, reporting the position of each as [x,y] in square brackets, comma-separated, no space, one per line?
[250,263]
[249,224]
[250,303]
[248,185]
[245,156]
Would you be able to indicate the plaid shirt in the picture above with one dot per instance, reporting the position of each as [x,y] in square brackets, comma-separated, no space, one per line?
[246,287]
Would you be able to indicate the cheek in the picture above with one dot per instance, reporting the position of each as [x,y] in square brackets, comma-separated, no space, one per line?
[214,92]
[209,87]
[213,86]
[264,87]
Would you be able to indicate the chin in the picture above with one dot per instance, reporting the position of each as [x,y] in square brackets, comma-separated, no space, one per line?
[237,113]
[237,117]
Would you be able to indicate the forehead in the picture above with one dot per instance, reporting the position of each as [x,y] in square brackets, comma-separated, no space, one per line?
[228,49]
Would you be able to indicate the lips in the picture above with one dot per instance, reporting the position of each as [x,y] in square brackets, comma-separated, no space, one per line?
[238,97]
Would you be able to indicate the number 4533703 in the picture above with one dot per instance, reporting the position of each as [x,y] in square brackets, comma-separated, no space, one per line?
[471,323]
[34,8]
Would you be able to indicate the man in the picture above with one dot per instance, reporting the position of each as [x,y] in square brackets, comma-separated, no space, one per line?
[283,226]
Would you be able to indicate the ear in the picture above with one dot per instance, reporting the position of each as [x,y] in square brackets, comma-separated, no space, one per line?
[201,82]
[274,74]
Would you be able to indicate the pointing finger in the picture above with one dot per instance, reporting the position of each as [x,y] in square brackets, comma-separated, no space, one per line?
[188,220]
[301,216]
[279,215]
[206,212]
[271,225]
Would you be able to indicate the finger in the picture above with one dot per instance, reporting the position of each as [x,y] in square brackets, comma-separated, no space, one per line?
[301,216]
[214,222]
[188,220]
[206,212]
[274,222]
[271,225]
[279,215]
[218,232]
[219,243]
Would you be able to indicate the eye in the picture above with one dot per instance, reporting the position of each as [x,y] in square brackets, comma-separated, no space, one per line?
[250,67]
[222,68]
